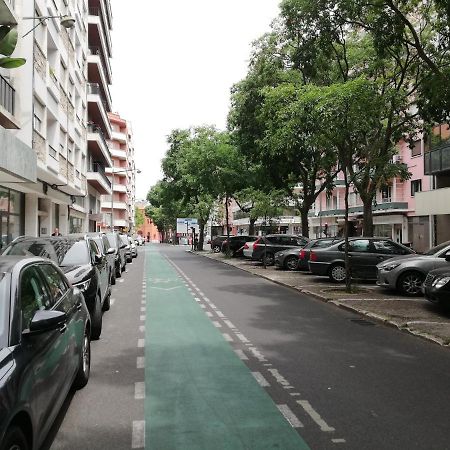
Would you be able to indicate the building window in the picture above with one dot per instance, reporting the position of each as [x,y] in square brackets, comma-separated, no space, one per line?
[416,150]
[416,186]
[386,194]
[38,115]
[12,223]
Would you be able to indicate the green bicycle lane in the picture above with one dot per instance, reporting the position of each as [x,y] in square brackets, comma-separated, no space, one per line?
[199,394]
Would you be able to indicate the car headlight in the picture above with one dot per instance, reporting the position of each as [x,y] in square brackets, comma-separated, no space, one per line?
[389,267]
[440,282]
[83,286]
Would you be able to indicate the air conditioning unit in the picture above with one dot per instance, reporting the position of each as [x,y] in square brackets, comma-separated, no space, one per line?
[397,159]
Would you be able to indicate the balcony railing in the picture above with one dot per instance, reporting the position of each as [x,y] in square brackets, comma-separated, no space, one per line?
[438,158]
[93,128]
[98,51]
[7,95]
[98,168]
[95,89]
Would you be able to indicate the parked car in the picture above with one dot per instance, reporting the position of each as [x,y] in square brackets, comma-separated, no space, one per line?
[436,286]
[120,260]
[297,258]
[139,240]
[103,244]
[216,243]
[45,348]
[406,274]
[83,264]
[364,254]
[133,247]
[236,244]
[303,262]
[247,249]
[126,241]
[266,247]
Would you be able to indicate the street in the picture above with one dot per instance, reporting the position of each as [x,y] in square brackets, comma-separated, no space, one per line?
[235,361]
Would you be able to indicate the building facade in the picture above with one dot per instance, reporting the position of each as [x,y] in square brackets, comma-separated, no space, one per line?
[148,230]
[122,176]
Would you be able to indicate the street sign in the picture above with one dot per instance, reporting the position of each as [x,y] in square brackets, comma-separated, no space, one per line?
[185,224]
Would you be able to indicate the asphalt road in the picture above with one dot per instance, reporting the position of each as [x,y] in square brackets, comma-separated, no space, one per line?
[103,414]
[350,383]
[202,355]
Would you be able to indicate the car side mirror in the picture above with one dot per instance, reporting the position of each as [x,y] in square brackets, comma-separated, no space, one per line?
[127,247]
[123,246]
[110,251]
[44,320]
[98,259]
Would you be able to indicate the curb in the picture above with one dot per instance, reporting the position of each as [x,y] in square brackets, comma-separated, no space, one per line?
[376,317]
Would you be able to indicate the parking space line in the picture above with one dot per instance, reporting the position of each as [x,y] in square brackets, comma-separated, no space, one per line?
[290,416]
[315,416]
[141,343]
[139,390]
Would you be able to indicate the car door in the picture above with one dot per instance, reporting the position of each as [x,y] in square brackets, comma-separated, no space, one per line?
[363,259]
[385,249]
[45,352]
[101,267]
[109,257]
[62,293]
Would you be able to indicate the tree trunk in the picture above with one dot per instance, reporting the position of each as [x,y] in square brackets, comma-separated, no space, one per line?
[227,220]
[348,273]
[201,237]
[251,228]
[304,217]
[367,218]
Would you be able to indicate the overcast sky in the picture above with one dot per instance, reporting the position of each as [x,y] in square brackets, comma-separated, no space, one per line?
[174,62]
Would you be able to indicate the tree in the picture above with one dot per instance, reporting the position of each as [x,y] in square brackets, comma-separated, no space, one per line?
[139,218]
[8,42]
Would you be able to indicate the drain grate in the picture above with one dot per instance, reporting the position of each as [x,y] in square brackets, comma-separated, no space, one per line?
[363,322]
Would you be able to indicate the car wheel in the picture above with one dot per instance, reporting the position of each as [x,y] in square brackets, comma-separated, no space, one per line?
[269,259]
[129,260]
[97,318]
[216,249]
[107,302]
[15,440]
[84,366]
[113,279]
[410,283]
[291,263]
[337,273]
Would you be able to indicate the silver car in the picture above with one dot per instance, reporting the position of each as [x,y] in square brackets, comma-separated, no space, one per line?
[248,249]
[407,273]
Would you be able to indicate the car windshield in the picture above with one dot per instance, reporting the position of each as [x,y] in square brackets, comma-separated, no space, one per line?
[112,240]
[4,312]
[124,239]
[99,243]
[437,249]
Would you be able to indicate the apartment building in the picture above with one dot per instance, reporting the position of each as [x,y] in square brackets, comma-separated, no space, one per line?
[99,105]
[118,208]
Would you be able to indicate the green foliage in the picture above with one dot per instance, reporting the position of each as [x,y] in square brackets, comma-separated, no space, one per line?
[139,218]
[8,42]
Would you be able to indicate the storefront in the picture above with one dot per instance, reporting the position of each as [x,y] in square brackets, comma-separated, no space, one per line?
[12,215]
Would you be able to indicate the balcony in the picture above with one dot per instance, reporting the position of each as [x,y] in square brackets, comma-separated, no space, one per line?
[97,178]
[120,188]
[7,104]
[437,160]
[118,153]
[98,31]
[99,71]
[7,14]
[98,108]
[106,204]
[98,146]
[118,136]
[433,202]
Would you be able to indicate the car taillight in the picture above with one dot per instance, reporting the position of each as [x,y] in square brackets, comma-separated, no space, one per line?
[302,254]
[245,246]
[313,256]
[255,245]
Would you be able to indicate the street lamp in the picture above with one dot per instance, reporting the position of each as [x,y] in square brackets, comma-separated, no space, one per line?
[112,190]
[65,21]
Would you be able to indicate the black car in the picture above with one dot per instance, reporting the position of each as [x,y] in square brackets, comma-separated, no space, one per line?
[364,255]
[216,243]
[303,262]
[266,247]
[120,261]
[126,242]
[83,264]
[436,287]
[236,243]
[45,348]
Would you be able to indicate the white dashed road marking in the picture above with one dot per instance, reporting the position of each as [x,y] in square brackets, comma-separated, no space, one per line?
[290,416]
[338,441]
[141,343]
[217,324]
[139,390]
[260,379]
[315,415]
[241,355]
[227,337]
[138,435]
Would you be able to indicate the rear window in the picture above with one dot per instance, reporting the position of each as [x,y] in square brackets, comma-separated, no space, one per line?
[112,239]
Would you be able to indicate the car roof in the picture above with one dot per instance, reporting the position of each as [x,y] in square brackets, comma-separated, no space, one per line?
[52,239]
[8,262]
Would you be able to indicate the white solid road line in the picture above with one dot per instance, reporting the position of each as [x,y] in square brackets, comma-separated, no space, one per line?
[141,343]
[140,362]
[138,435]
[142,328]
[139,390]
[260,379]
[315,416]
[290,416]
[142,318]
[338,441]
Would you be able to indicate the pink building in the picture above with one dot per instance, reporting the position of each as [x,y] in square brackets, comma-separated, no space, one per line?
[122,176]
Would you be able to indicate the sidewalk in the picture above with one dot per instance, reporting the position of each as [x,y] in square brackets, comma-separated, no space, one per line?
[413,315]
